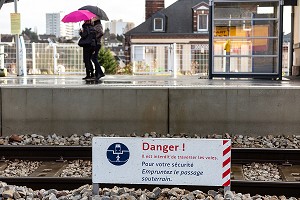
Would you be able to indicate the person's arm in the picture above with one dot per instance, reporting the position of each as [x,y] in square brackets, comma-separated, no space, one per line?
[99,31]
[83,33]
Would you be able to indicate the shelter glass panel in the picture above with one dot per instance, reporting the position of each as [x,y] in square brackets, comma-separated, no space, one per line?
[260,46]
[245,28]
[246,37]
[245,64]
[246,10]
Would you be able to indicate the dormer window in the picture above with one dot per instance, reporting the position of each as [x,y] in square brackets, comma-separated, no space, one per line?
[158,24]
[202,22]
[200,17]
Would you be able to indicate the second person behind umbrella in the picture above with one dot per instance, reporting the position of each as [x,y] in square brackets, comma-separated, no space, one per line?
[99,33]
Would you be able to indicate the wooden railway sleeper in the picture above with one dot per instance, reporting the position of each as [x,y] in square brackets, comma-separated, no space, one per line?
[237,172]
[290,173]
[3,166]
[49,169]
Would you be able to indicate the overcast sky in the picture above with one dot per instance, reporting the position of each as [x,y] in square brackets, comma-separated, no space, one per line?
[33,12]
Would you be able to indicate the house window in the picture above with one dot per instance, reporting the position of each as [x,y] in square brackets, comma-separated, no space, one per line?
[203,22]
[158,24]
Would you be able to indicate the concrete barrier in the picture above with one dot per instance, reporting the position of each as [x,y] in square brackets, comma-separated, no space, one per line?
[238,111]
[123,111]
[68,111]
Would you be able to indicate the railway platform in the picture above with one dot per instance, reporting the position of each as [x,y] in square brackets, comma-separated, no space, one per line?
[49,81]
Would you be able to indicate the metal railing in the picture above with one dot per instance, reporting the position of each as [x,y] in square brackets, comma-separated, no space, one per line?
[188,59]
[44,58]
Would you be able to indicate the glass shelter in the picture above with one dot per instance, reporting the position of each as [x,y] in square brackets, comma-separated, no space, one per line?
[246,38]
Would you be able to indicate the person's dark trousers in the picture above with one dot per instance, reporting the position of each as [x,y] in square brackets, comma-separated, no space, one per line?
[87,56]
[99,73]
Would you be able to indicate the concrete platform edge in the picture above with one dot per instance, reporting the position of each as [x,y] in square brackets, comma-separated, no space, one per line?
[123,111]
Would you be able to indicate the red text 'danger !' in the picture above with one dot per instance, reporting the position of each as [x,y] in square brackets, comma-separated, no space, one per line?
[165,148]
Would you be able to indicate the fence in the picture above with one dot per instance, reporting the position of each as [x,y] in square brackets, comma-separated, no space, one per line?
[188,59]
[44,58]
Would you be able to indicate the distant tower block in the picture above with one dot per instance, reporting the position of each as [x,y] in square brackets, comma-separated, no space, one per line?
[152,6]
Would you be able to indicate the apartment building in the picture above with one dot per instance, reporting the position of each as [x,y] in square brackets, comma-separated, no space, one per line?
[54,26]
[118,27]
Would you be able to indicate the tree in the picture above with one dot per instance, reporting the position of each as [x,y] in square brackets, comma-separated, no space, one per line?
[32,35]
[106,33]
[120,38]
[112,36]
[107,60]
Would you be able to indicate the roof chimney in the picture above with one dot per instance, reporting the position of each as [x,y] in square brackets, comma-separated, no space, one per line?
[152,6]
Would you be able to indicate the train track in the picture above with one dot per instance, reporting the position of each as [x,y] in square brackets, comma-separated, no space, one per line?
[54,157]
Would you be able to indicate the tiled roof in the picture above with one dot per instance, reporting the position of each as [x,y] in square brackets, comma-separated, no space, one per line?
[179,19]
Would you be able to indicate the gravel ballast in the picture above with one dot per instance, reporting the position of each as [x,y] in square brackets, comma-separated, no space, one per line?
[238,141]
[123,193]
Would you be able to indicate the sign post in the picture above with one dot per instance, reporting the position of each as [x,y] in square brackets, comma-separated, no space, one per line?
[173,161]
[22,68]
[15,25]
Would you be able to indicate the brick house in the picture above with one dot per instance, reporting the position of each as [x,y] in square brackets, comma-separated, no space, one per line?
[150,46]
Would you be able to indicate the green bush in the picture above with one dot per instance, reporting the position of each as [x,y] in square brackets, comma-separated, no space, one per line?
[107,60]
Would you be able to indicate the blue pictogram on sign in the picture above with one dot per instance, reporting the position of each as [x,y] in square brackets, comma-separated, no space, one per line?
[117,154]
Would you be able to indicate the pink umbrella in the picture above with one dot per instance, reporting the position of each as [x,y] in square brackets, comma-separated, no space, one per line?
[78,15]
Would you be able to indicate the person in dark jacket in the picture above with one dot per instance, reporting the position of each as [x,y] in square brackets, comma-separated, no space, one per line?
[88,33]
[99,33]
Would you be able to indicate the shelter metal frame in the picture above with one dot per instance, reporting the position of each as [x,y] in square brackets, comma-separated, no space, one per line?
[212,38]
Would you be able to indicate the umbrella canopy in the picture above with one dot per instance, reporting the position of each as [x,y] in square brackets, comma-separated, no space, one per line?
[78,15]
[97,11]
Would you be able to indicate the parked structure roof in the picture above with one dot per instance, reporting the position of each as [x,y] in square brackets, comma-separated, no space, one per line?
[179,19]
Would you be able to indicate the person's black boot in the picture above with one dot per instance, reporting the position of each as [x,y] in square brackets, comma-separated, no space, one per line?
[98,76]
[92,75]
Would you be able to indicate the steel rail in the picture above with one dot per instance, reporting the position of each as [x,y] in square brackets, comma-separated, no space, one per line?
[46,152]
[248,155]
[289,189]
[238,155]
[37,183]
